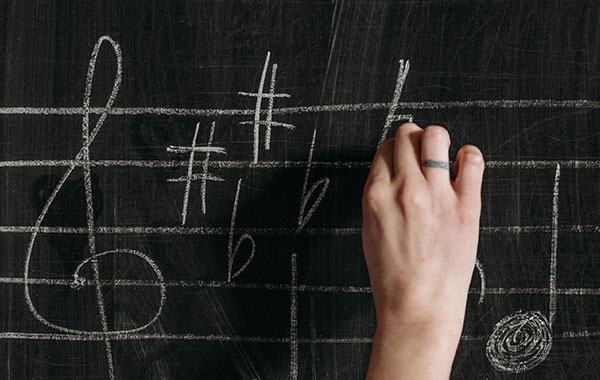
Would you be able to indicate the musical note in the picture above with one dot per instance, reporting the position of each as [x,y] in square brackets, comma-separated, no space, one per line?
[522,340]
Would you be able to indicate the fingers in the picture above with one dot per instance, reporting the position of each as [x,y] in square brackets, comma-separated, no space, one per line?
[469,173]
[435,157]
[407,151]
[382,167]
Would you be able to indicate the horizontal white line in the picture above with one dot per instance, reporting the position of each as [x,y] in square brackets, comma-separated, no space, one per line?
[560,291]
[532,164]
[180,230]
[402,117]
[136,336]
[196,176]
[188,149]
[230,338]
[264,95]
[500,103]
[192,284]
[197,337]
[268,123]
[341,231]
[185,163]
[577,334]
[279,287]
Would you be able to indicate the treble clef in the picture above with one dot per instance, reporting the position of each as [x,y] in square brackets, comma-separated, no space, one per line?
[83,159]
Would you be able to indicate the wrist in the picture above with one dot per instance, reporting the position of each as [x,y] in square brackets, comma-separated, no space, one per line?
[421,329]
[442,322]
[407,350]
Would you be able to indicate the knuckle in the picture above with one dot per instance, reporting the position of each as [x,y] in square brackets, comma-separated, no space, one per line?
[412,197]
[374,195]
[473,156]
[407,128]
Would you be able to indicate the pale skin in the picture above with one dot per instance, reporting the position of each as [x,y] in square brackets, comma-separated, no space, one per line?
[420,233]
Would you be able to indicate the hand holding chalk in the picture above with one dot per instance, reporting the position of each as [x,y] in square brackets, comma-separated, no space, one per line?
[420,234]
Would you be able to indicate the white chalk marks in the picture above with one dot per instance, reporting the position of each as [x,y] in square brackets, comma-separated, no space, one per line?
[554,248]
[304,215]
[522,340]
[294,318]
[233,251]
[392,117]
[79,281]
[519,342]
[268,122]
[84,156]
[205,176]
[479,267]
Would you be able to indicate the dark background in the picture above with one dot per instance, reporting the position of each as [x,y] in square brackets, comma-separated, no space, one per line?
[198,55]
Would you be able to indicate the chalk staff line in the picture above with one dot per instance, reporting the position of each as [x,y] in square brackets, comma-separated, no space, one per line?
[233,338]
[269,231]
[171,111]
[301,288]
[159,164]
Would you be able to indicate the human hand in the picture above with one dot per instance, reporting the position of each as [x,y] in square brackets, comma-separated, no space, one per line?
[420,235]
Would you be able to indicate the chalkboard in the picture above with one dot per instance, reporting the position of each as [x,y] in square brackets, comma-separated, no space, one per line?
[180,182]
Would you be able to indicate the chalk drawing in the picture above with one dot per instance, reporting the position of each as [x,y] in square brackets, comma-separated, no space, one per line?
[519,342]
[479,267]
[303,215]
[391,117]
[84,155]
[522,340]
[205,176]
[294,319]
[231,251]
[554,247]
[268,123]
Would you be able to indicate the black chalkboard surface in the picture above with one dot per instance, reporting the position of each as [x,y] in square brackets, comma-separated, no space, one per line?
[180,182]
